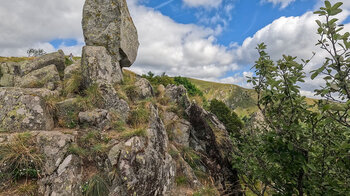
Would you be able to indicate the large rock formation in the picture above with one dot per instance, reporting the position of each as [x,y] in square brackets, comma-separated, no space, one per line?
[108,23]
[98,67]
[37,73]
[22,110]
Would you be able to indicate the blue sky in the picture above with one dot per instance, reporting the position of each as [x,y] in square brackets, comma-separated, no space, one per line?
[245,18]
[206,39]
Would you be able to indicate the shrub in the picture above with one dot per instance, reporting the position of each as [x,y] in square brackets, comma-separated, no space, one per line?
[230,119]
[157,80]
[191,88]
[21,157]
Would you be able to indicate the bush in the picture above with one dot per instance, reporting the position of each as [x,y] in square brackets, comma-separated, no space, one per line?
[230,119]
[192,90]
[157,80]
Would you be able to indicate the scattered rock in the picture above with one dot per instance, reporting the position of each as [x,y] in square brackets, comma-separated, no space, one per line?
[98,67]
[108,23]
[46,77]
[22,110]
[177,94]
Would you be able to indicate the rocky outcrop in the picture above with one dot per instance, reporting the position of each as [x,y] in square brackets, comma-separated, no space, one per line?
[112,102]
[22,110]
[178,129]
[143,165]
[96,118]
[177,94]
[98,67]
[56,58]
[144,89]
[108,23]
[47,77]
[210,138]
[41,72]
[72,69]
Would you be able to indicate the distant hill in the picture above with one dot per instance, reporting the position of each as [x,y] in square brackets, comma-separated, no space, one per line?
[240,99]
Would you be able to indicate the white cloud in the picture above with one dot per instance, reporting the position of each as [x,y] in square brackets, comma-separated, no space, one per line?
[202,3]
[283,3]
[30,24]
[239,79]
[178,49]
[295,36]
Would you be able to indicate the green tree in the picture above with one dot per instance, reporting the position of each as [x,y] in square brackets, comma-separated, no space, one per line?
[299,149]
[230,119]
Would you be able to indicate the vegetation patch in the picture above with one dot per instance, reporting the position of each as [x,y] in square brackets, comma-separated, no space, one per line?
[96,186]
[139,116]
[21,158]
[73,84]
[141,132]
[230,119]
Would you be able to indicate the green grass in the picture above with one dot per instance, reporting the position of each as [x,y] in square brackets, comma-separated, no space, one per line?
[21,157]
[141,132]
[96,186]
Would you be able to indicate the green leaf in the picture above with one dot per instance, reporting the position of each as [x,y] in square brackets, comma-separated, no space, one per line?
[314,75]
[335,12]
[290,146]
[337,5]
[319,23]
[328,4]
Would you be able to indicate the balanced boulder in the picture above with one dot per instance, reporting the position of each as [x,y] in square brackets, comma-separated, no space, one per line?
[108,23]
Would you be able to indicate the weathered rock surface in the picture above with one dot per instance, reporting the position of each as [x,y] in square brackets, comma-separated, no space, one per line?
[66,181]
[56,58]
[210,138]
[178,129]
[23,109]
[143,165]
[144,89]
[37,73]
[67,112]
[111,101]
[70,70]
[108,23]
[96,118]
[54,146]
[46,77]
[177,94]
[98,67]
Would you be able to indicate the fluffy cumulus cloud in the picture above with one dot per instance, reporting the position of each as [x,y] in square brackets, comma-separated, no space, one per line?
[282,3]
[178,49]
[295,36]
[202,3]
[25,25]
